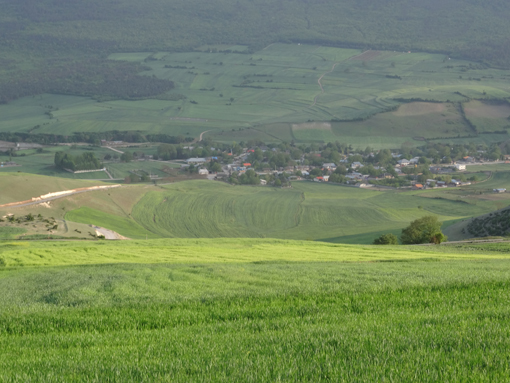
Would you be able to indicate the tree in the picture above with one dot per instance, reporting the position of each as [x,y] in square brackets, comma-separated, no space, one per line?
[386,239]
[437,238]
[422,230]
[126,157]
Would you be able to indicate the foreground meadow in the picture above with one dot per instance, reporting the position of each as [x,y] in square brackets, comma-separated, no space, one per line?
[252,310]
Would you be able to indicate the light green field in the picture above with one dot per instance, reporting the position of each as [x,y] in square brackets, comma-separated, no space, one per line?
[252,310]
[279,85]
[212,251]
[308,211]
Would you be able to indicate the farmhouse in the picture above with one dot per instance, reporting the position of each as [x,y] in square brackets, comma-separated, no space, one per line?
[196,161]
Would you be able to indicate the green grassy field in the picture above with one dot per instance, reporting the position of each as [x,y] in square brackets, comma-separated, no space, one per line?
[200,208]
[269,94]
[308,211]
[43,163]
[252,310]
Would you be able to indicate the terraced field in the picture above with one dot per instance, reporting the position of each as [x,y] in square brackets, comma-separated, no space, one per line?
[268,94]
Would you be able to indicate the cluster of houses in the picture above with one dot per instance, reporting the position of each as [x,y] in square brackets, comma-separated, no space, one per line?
[355,175]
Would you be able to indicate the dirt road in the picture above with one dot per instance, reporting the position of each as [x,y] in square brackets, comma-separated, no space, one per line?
[320,84]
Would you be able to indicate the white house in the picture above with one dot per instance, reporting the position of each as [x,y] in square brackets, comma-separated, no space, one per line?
[403,162]
[203,172]
[460,167]
[196,161]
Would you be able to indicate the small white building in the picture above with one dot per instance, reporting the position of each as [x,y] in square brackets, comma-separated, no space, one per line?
[502,190]
[203,172]
[460,167]
[196,161]
[356,165]
[403,162]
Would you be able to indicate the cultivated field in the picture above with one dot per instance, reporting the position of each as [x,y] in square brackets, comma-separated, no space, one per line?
[264,95]
[307,211]
[252,310]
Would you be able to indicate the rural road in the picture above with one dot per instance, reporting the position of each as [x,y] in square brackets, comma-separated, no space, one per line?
[54,198]
[320,84]
[202,134]
[115,150]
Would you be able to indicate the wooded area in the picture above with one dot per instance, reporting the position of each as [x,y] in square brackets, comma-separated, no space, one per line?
[60,46]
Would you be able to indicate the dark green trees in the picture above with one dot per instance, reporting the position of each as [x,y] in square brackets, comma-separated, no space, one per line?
[423,230]
[85,161]
[386,239]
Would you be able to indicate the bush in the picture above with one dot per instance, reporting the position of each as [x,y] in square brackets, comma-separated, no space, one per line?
[3,263]
[386,239]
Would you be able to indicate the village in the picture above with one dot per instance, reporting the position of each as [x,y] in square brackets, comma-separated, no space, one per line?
[278,166]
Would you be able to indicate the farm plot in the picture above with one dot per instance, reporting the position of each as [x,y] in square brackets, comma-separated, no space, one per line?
[488,117]
[225,92]
[308,210]
[251,309]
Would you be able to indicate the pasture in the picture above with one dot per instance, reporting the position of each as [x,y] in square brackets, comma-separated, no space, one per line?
[252,310]
[200,208]
[308,211]
[268,94]
[32,162]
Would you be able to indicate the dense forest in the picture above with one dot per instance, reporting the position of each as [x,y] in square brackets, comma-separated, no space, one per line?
[76,36]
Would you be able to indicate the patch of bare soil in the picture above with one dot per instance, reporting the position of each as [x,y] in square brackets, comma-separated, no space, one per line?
[478,109]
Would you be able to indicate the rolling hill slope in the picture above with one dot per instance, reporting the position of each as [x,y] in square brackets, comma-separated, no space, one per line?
[251,310]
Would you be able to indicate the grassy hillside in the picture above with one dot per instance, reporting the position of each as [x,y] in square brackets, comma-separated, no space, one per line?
[84,34]
[16,187]
[270,94]
[198,209]
[307,211]
[252,310]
